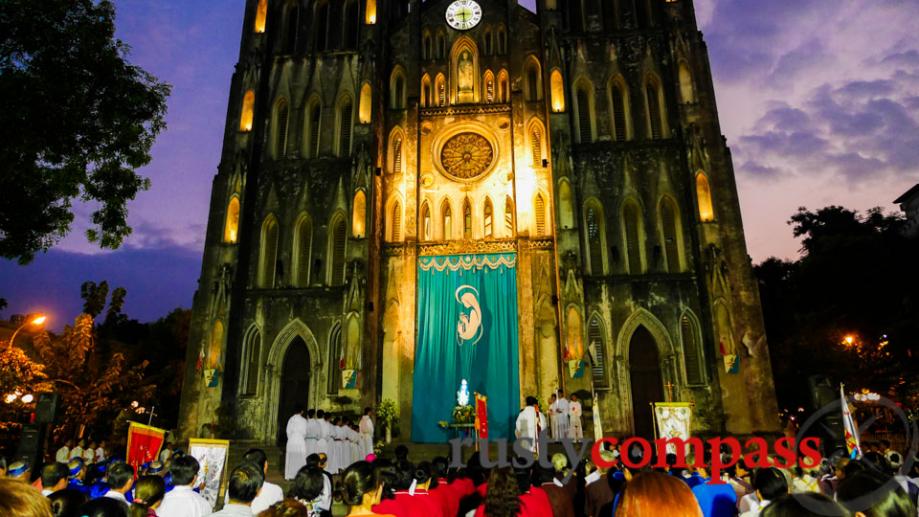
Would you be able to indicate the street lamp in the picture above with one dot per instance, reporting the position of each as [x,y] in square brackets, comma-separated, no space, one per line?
[37,320]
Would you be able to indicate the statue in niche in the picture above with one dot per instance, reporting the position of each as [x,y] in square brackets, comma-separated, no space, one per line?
[465,73]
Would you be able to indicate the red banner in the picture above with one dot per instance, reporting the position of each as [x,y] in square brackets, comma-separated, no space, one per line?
[144,444]
[481,416]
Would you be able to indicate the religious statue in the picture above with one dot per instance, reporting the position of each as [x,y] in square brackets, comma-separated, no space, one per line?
[462,396]
[464,72]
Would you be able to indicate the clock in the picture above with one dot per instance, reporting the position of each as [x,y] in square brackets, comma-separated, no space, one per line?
[464,14]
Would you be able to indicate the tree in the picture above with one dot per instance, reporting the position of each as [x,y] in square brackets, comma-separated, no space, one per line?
[19,376]
[857,277]
[79,121]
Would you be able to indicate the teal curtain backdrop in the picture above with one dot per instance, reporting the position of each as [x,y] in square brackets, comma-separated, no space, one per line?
[467,329]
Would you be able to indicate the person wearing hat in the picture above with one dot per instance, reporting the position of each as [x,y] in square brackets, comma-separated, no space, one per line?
[20,471]
[76,474]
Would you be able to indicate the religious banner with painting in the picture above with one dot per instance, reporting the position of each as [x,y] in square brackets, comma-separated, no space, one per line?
[212,457]
[467,329]
[481,416]
[673,420]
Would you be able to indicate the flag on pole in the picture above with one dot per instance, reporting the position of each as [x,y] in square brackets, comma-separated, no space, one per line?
[144,444]
[481,416]
[853,446]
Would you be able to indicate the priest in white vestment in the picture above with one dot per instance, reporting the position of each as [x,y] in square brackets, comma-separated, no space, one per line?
[562,407]
[366,427]
[575,431]
[553,419]
[530,422]
[295,457]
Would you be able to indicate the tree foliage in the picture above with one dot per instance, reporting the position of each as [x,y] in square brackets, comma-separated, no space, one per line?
[857,277]
[79,120]
[19,375]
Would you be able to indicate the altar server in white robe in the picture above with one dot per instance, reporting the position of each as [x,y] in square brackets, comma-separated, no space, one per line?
[562,408]
[553,417]
[530,423]
[312,433]
[324,429]
[295,457]
[366,433]
[356,443]
[575,431]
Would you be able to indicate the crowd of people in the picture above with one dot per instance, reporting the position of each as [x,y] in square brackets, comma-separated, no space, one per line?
[360,483]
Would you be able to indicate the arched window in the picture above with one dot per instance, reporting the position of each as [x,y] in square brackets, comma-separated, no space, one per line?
[502,40]
[248,111]
[320,26]
[252,353]
[314,114]
[565,205]
[395,222]
[427,232]
[539,209]
[693,357]
[281,119]
[576,16]
[687,92]
[366,106]
[619,106]
[557,86]
[397,90]
[488,219]
[334,359]
[504,92]
[593,217]
[231,227]
[584,110]
[370,13]
[440,84]
[536,144]
[632,221]
[268,256]
[704,195]
[290,35]
[215,347]
[261,16]
[467,219]
[359,215]
[670,235]
[509,217]
[488,43]
[655,114]
[441,46]
[426,94]
[596,346]
[426,50]
[345,119]
[533,80]
[349,26]
[339,237]
[489,86]
[303,249]
[397,154]
[464,70]
[447,215]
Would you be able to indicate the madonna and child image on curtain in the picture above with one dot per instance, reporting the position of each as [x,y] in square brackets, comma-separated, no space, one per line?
[467,329]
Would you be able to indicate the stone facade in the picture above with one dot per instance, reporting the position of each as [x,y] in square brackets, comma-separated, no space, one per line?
[363,134]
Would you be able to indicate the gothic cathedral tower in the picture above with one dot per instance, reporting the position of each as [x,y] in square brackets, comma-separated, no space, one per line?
[413,192]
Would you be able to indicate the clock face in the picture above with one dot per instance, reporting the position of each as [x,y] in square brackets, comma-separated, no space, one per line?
[464,14]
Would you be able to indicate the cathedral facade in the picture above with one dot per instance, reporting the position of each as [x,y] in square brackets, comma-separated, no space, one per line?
[578,146]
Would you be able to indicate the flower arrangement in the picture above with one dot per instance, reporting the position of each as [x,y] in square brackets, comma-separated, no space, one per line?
[386,413]
[463,414]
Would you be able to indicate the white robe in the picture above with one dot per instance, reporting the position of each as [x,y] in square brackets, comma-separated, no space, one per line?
[312,436]
[562,407]
[322,443]
[295,457]
[529,424]
[553,421]
[575,432]
[366,436]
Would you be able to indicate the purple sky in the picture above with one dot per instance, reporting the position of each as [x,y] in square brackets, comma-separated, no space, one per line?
[819,100]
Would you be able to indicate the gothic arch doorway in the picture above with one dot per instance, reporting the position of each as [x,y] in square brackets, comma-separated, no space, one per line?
[295,384]
[646,381]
